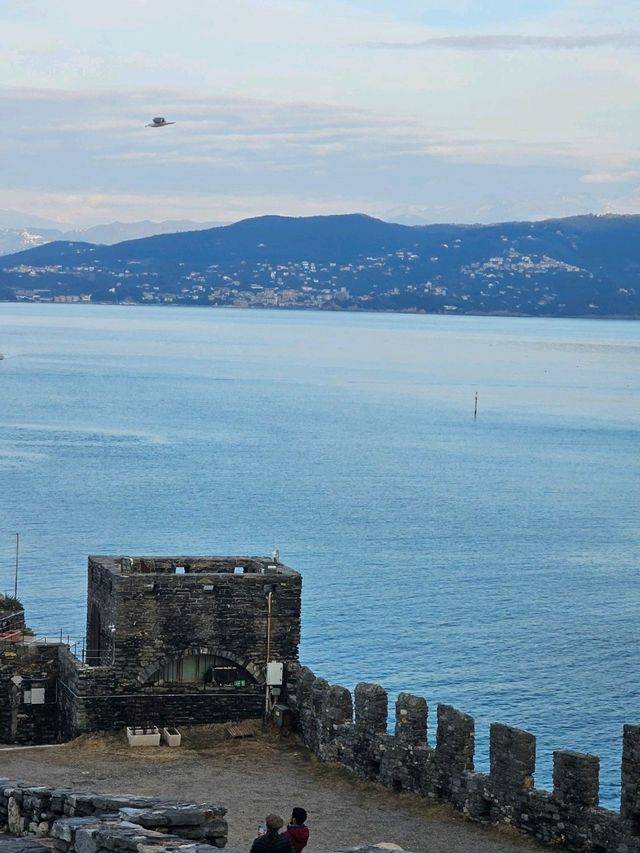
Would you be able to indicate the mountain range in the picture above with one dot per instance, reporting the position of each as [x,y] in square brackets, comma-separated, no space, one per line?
[586,266]
[20,231]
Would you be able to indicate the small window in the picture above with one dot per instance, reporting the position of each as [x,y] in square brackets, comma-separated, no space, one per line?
[180,570]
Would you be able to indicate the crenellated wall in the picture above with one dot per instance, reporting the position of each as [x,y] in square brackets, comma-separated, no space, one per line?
[352,731]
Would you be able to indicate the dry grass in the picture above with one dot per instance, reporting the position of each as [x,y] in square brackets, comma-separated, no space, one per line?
[197,741]
[255,775]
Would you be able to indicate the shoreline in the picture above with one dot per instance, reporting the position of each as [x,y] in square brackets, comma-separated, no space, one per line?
[312,310]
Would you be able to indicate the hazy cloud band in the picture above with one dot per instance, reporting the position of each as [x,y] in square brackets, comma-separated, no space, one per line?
[514,42]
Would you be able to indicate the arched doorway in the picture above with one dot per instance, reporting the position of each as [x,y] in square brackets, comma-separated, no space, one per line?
[213,669]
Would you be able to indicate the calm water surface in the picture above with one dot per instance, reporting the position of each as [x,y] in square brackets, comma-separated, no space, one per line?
[490,564]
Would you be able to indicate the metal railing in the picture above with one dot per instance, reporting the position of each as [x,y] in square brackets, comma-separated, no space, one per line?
[4,620]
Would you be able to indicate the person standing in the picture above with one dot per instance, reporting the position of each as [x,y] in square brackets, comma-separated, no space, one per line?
[297,830]
[273,841]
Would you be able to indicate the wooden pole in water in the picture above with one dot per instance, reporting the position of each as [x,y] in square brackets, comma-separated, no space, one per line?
[475,408]
[15,580]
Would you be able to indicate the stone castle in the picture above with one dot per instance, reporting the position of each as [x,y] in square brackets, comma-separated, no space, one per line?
[170,641]
[176,641]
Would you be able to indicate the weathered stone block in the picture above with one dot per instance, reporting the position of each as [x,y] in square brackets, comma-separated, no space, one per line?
[576,778]
[371,708]
[455,741]
[15,821]
[338,705]
[630,789]
[411,718]
[512,758]
[85,841]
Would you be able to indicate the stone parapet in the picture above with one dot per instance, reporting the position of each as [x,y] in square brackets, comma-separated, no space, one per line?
[568,815]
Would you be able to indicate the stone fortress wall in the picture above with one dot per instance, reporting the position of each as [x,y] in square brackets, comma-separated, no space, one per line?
[171,640]
[103,823]
[352,731]
[151,620]
[147,616]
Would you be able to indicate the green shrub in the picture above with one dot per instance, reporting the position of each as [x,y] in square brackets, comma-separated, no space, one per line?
[9,604]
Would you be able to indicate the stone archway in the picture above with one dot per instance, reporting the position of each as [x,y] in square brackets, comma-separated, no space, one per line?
[169,662]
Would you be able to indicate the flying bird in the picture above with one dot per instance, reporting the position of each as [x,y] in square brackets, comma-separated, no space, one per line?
[159,122]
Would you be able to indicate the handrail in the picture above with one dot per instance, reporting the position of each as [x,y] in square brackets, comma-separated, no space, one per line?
[9,616]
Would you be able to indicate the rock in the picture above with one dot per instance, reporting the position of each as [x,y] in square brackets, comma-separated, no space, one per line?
[15,821]
[85,841]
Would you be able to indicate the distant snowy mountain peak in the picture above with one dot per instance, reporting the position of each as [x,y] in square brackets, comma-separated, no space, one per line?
[15,238]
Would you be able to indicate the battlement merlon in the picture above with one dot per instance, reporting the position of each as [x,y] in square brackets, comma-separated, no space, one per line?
[183,565]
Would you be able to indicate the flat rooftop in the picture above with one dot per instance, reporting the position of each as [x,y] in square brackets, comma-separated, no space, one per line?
[126,564]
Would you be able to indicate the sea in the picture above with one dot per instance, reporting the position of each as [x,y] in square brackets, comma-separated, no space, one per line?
[460,494]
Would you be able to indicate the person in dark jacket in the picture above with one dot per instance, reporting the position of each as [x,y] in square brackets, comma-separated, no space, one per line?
[297,832]
[272,841]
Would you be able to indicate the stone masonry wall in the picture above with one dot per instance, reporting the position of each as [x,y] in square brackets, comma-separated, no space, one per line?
[28,672]
[148,614]
[352,731]
[159,616]
[97,823]
[149,619]
[92,699]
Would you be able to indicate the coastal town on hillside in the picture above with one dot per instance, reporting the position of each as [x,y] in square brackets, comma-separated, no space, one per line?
[512,282]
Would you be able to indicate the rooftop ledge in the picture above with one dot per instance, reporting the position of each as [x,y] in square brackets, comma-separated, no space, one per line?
[191,565]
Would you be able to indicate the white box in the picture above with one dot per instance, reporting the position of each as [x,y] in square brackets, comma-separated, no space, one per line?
[274,673]
[171,736]
[143,737]
[37,695]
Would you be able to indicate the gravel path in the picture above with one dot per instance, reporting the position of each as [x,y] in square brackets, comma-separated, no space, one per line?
[255,776]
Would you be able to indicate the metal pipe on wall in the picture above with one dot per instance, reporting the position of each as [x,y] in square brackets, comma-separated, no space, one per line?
[266,680]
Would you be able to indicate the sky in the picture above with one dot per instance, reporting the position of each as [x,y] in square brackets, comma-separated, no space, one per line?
[409,110]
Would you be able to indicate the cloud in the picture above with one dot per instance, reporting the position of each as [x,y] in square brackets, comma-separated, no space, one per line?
[88,157]
[249,135]
[514,41]
[610,177]
[89,208]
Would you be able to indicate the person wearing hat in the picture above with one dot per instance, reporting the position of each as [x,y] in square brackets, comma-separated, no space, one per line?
[272,841]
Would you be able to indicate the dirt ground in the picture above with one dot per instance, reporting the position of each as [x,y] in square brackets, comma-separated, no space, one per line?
[252,777]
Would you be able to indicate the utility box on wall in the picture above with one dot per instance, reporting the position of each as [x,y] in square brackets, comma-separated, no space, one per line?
[275,671]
